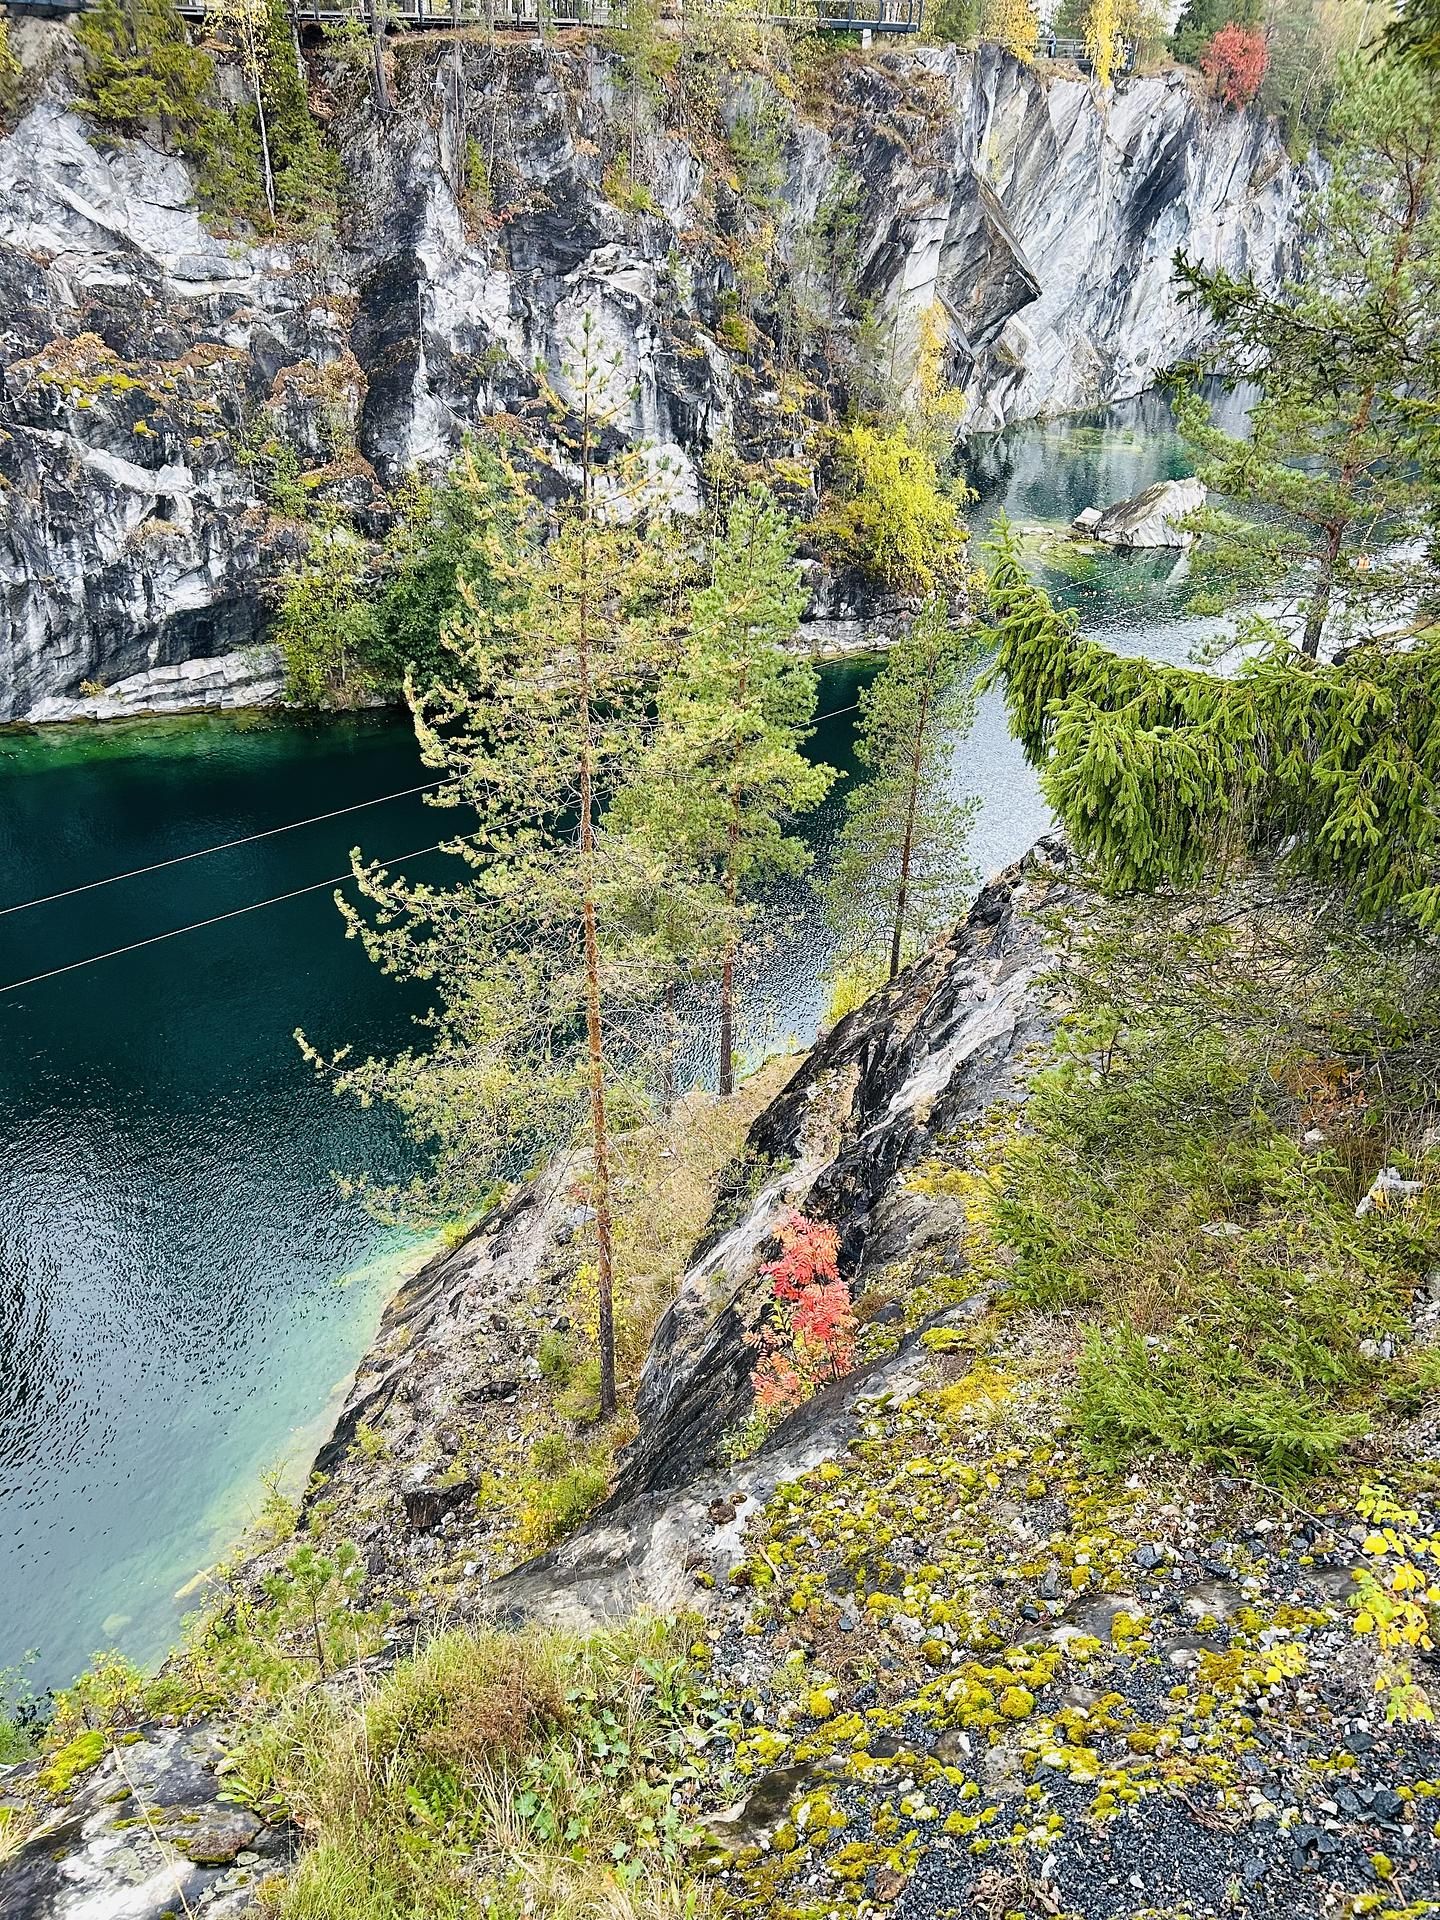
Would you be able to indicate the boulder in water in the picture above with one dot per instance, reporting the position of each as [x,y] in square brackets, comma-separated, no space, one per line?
[1151,519]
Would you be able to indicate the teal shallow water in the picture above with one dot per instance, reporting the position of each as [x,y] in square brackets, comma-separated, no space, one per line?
[182,1286]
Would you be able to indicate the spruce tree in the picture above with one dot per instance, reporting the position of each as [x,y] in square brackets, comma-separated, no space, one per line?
[1414,32]
[900,873]
[1162,775]
[1332,501]
[726,772]
[140,69]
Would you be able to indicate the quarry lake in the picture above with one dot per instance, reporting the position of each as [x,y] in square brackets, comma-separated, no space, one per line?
[183,1288]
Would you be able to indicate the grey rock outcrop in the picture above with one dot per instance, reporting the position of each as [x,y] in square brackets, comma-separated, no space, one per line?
[145,1834]
[1153,518]
[250,677]
[160,383]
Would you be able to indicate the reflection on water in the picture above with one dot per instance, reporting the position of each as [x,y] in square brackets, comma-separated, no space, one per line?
[173,1310]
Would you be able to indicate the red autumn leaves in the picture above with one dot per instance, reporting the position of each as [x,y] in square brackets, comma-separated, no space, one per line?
[1235,62]
[811,1336]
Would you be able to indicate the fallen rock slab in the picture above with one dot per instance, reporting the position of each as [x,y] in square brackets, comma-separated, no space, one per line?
[1151,519]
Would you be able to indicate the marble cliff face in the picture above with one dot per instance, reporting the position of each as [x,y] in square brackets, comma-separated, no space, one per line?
[146,359]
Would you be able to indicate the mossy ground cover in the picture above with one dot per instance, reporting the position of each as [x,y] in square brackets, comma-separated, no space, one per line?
[1074,1630]
[999,1677]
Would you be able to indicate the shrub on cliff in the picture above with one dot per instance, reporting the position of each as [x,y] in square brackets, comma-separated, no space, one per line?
[1187,1174]
[810,1335]
[890,513]
[1235,61]
[142,72]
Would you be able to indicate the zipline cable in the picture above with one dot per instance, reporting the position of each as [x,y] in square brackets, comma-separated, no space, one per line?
[234,913]
[254,906]
[268,833]
[223,846]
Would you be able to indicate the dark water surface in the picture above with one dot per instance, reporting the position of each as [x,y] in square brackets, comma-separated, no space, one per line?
[183,1289]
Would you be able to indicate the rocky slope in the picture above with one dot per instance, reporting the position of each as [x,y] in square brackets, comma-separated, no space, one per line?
[957,1666]
[160,381]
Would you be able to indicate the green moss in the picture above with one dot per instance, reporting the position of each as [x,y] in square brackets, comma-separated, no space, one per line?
[65,1766]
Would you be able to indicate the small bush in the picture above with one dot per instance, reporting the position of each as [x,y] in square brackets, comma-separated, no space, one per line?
[580,1401]
[624,191]
[734,332]
[810,1337]
[851,988]
[551,1453]
[506,1774]
[110,1693]
[14,1741]
[555,1360]
[557,1506]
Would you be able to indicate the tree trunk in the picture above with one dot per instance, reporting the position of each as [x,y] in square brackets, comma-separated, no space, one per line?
[907,845]
[256,82]
[300,68]
[727,1016]
[383,101]
[732,895]
[667,1064]
[1318,610]
[600,1186]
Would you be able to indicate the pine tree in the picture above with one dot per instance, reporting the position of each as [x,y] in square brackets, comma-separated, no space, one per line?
[531,963]
[900,873]
[1340,458]
[726,772]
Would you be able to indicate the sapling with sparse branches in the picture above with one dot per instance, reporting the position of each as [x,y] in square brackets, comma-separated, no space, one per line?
[901,874]
[536,974]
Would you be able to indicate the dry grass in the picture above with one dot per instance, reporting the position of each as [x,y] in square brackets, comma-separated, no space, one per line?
[482,1776]
[668,1183]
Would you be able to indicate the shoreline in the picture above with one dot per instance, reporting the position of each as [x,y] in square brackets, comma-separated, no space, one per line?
[262,691]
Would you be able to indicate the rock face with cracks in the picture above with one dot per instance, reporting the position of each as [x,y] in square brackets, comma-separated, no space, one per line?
[146,361]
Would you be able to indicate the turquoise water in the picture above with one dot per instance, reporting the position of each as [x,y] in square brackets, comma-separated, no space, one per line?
[183,1288]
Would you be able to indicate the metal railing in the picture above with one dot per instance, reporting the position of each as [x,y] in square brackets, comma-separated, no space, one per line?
[537,16]
[1060,47]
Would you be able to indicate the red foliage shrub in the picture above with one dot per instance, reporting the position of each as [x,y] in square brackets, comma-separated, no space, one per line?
[812,1336]
[1236,61]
